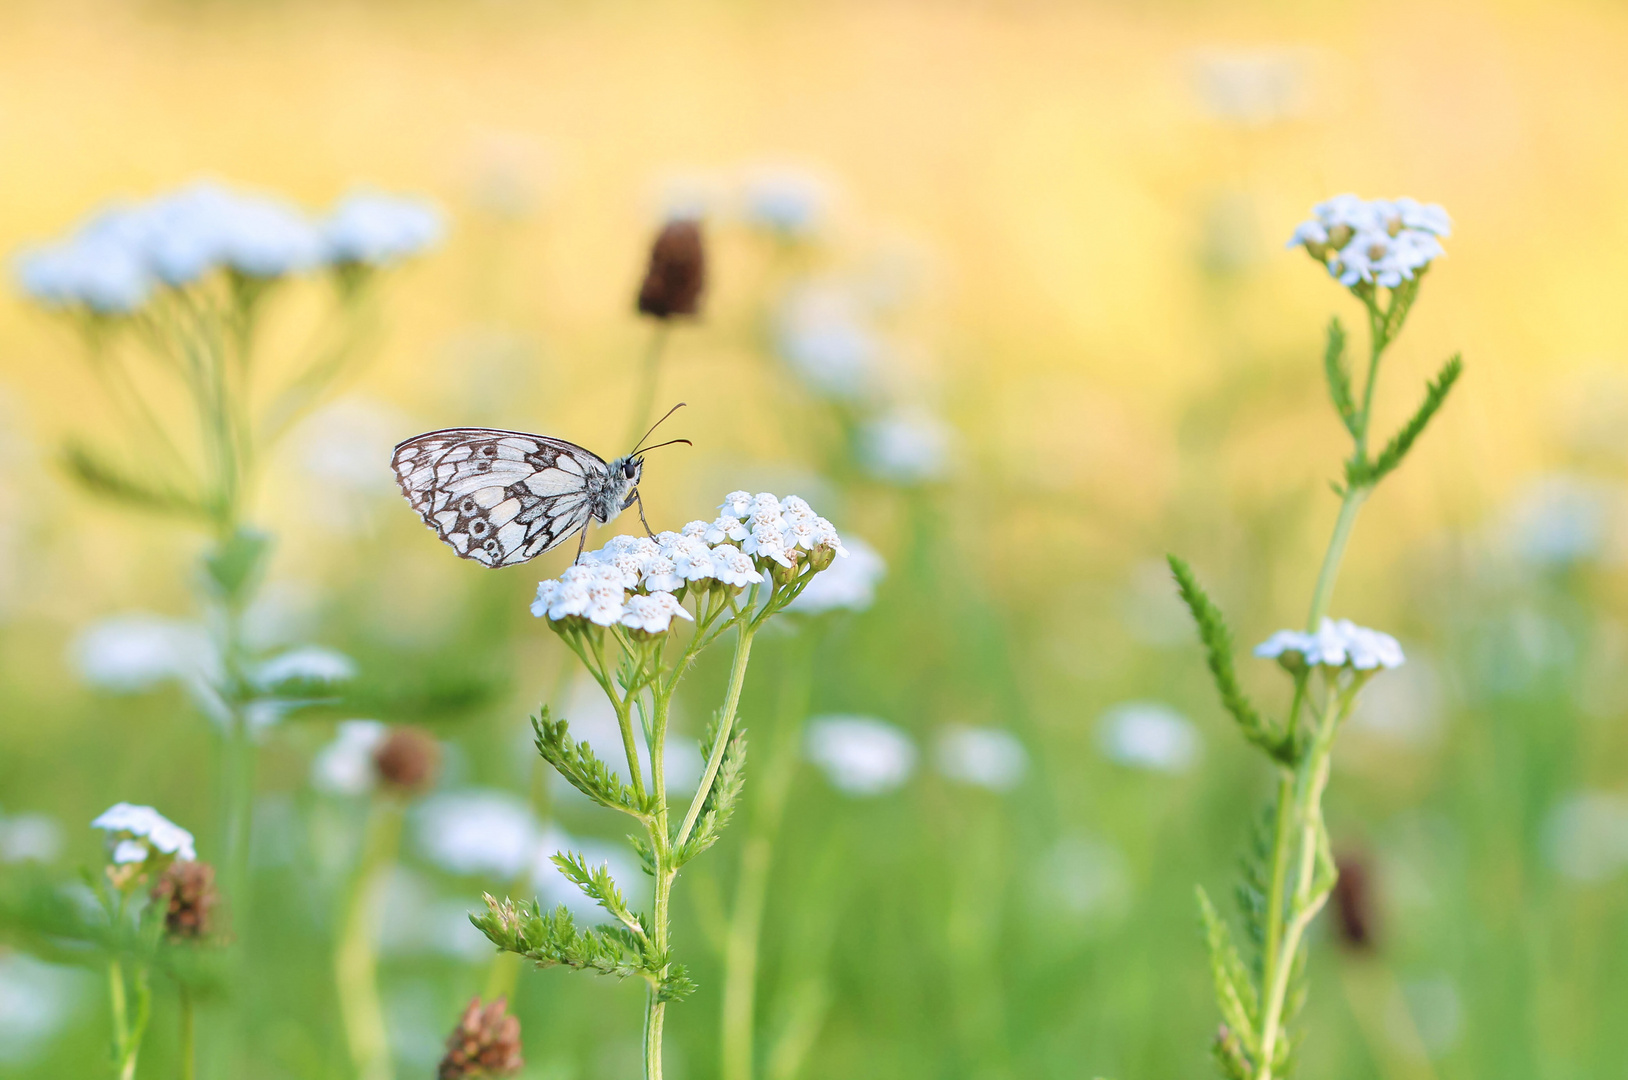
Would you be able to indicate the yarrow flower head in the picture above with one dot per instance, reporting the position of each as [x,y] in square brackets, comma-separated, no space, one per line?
[640,583]
[1373,241]
[1336,644]
[140,838]
[375,229]
[122,256]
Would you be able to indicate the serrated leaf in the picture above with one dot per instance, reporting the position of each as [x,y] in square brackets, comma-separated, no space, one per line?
[101,477]
[1217,641]
[581,768]
[1338,374]
[1391,456]
[720,801]
[1235,990]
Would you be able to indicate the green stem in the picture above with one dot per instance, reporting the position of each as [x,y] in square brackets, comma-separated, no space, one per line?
[655,1013]
[1324,593]
[726,723]
[645,401]
[189,1037]
[121,1010]
[356,961]
[741,943]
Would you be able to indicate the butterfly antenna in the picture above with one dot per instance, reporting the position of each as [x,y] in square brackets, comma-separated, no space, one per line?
[669,442]
[653,428]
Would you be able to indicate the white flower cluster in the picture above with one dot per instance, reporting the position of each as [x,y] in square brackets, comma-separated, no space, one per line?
[1336,644]
[633,580]
[1378,241]
[117,260]
[136,832]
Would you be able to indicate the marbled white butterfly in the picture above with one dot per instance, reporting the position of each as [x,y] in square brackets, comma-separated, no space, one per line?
[505,497]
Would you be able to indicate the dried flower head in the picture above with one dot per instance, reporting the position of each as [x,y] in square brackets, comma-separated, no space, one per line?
[407,760]
[186,891]
[677,274]
[486,1043]
[1354,902]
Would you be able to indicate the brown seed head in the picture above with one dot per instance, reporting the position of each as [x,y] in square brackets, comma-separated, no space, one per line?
[1354,915]
[407,760]
[677,274]
[486,1043]
[186,891]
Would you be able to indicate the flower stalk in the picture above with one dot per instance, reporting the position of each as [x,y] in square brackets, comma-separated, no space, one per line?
[1369,247]
[616,611]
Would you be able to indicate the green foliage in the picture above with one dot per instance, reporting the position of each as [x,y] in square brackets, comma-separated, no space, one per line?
[597,885]
[1235,990]
[101,477]
[1254,888]
[721,798]
[553,940]
[582,769]
[235,565]
[1338,373]
[1217,640]
[1363,473]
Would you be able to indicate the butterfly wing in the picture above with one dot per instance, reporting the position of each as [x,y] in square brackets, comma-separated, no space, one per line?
[498,497]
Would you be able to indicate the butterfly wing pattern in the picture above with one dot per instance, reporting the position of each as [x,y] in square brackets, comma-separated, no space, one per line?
[499,497]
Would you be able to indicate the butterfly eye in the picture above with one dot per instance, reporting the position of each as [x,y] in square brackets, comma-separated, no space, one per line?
[629,468]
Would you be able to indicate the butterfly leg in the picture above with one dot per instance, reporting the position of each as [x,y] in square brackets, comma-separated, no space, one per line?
[581,543]
[642,521]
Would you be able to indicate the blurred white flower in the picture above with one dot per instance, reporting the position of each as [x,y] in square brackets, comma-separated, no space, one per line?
[345,766]
[306,664]
[98,274]
[1404,708]
[984,757]
[787,201]
[1149,735]
[147,829]
[378,229]
[1084,877]
[1586,835]
[1337,643]
[414,921]
[36,1002]
[860,755]
[29,838]
[1559,520]
[487,833]
[824,335]
[341,446]
[1251,89]
[847,584]
[906,446]
[127,653]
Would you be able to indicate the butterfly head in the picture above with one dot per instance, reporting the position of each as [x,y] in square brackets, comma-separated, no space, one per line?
[625,474]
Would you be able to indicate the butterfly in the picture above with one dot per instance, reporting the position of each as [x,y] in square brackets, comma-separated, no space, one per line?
[503,498]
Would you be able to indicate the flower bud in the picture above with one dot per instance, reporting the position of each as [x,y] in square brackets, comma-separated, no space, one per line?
[486,1043]
[186,893]
[1339,236]
[407,761]
[821,557]
[677,273]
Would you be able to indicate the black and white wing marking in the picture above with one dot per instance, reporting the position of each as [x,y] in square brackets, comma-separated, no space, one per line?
[498,497]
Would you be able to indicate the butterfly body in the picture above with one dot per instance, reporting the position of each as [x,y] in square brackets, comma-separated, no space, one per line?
[504,497]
